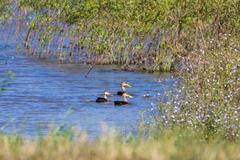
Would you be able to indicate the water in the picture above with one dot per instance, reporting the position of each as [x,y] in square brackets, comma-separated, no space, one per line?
[44,95]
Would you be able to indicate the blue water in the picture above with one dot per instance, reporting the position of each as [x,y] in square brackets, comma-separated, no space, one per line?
[44,95]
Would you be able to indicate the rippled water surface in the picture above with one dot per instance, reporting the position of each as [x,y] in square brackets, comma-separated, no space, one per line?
[43,95]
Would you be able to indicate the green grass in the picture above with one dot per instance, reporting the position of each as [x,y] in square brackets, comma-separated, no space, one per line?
[169,145]
[116,31]
[5,10]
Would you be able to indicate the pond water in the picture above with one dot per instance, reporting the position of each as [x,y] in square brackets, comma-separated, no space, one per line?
[44,94]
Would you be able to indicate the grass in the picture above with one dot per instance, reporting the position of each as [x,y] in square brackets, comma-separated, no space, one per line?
[139,34]
[5,10]
[169,145]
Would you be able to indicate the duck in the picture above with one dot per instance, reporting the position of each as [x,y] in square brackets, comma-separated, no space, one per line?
[125,101]
[104,98]
[123,85]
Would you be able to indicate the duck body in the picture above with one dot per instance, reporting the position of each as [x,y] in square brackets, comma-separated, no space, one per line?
[120,93]
[124,101]
[120,103]
[104,98]
[101,100]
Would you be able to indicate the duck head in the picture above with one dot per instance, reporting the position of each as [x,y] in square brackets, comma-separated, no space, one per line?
[126,84]
[125,96]
[106,93]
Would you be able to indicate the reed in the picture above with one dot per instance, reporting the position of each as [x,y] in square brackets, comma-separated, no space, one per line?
[169,145]
[140,34]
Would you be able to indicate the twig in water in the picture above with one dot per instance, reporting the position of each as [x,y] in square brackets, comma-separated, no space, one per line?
[89,71]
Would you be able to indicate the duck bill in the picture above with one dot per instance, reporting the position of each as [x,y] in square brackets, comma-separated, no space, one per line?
[129,85]
[130,96]
[110,94]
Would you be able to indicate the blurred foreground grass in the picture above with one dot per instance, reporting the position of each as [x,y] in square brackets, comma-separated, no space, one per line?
[171,144]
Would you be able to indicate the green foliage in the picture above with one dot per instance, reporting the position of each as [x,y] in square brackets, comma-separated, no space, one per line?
[208,99]
[170,145]
[151,35]
[5,8]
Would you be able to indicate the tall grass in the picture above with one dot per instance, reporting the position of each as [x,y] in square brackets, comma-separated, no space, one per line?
[148,35]
[170,145]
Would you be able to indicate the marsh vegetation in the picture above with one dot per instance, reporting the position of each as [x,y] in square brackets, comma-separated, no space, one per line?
[145,35]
